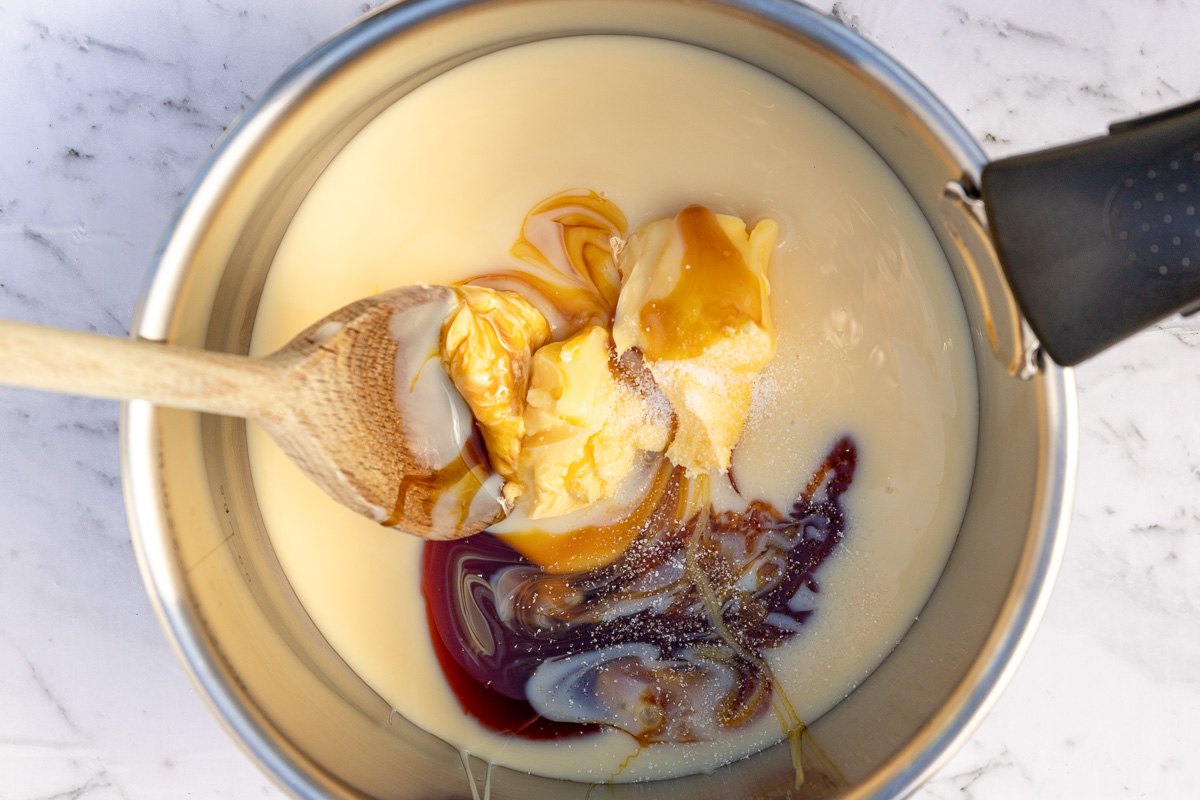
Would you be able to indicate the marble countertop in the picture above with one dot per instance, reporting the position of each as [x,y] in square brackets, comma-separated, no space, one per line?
[107,110]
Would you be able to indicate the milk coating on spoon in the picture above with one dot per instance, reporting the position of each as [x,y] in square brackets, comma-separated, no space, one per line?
[872,343]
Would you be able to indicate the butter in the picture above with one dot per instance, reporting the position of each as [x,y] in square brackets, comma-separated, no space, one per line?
[695,303]
[487,344]
[584,427]
[562,425]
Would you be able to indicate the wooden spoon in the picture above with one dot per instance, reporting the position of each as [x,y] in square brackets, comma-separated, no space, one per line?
[359,402]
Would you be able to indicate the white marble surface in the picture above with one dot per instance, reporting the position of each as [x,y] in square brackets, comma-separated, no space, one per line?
[107,109]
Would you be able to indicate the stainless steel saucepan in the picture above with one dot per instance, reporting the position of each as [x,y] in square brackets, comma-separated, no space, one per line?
[1086,233]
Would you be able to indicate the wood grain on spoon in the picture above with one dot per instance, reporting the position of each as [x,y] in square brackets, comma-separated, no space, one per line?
[329,399]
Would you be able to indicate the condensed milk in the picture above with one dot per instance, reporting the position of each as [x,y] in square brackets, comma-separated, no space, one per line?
[872,345]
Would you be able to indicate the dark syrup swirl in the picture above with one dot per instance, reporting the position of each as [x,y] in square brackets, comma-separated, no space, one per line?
[665,643]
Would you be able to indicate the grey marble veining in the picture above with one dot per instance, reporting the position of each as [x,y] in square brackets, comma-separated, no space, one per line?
[107,110]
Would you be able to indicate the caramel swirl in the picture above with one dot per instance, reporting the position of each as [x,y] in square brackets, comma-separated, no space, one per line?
[568,244]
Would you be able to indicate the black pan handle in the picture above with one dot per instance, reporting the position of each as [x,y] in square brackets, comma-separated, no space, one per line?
[1101,238]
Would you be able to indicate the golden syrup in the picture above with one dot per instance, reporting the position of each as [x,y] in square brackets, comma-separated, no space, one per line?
[716,292]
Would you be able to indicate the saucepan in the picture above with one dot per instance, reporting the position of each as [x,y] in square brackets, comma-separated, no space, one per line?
[1055,255]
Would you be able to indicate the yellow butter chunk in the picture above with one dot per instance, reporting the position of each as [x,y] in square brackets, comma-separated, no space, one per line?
[583,427]
[695,303]
[486,347]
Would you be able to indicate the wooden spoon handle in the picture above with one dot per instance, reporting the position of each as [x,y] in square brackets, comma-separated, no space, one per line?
[71,362]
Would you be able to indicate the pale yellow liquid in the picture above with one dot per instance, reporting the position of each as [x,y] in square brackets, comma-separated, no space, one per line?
[872,343]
